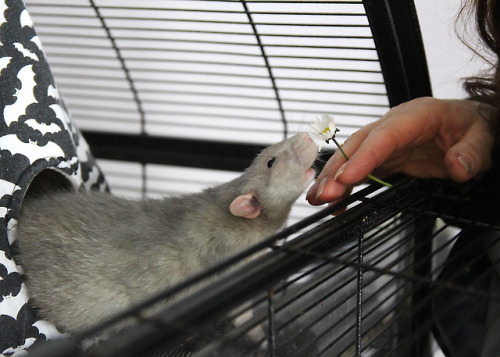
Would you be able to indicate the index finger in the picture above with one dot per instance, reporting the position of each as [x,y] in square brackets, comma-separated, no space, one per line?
[403,129]
[317,193]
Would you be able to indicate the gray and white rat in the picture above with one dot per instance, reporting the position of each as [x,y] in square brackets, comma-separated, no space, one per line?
[88,255]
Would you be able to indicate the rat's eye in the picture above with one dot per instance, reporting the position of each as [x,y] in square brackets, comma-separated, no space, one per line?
[271,162]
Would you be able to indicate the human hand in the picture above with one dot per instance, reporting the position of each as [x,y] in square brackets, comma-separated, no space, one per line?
[425,138]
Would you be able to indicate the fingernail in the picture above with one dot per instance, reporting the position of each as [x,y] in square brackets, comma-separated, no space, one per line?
[310,192]
[465,162]
[321,187]
[340,170]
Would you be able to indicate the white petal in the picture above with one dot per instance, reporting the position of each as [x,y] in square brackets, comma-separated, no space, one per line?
[317,136]
[323,128]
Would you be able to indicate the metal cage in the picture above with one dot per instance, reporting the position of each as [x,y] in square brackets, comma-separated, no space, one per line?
[370,282]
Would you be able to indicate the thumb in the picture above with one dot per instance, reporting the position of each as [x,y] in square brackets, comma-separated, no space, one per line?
[468,157]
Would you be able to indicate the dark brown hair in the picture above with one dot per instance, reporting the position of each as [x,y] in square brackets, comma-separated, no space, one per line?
[486,87]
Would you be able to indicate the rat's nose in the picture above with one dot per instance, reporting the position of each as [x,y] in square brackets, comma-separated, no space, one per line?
[305,136]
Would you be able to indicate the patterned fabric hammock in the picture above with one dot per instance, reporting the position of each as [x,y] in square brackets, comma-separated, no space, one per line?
[36,134]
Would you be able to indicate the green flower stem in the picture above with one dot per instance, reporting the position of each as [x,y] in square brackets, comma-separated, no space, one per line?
[370,176]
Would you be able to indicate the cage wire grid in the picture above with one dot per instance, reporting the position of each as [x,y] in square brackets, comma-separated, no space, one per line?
[244,71]
[365,283]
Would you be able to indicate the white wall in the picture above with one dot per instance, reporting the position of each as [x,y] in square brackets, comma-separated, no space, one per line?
[448,58]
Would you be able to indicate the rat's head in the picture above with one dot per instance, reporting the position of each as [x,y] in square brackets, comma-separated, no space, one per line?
[276,178]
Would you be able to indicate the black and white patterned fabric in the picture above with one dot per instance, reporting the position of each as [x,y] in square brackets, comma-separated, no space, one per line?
[36,134]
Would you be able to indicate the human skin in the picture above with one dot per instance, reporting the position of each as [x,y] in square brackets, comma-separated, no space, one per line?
[425,138]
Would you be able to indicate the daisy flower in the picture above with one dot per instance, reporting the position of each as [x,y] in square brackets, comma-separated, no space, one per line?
[324,129]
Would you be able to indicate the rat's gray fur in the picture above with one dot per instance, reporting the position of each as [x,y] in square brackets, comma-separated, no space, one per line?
[87,255]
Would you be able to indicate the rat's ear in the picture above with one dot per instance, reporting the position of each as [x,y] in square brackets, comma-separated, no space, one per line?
[247,206]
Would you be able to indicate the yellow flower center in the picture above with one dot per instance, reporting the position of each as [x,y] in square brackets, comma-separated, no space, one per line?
[326,131]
